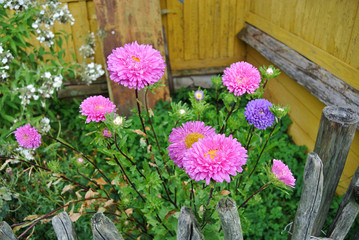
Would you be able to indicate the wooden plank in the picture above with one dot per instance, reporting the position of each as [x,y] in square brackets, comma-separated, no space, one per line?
[175,29]
[352,57]
[319,82]
[6,232]
[340,224]
[298,17]
[128,21]
[63,227]
[310,198]
[205,36]
[92,18]
[74,91]
[336,66]
[231,27]
[205,63]
[190,17]
[335,135]
[216,31]
[228,214]
[224,29]
[188,227]
[103,228]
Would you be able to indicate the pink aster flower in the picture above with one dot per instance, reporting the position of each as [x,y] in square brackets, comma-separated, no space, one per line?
[96,107]
[135,66]
[216,157]
[241,77]
[106,133]
[283,173]
[182,138]
[28,137]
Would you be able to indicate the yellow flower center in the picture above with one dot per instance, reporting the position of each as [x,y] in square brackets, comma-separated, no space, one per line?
[192,138]
[99,107]
[241,80]
[26,137]
[198,95]
[212,153]
[136,59]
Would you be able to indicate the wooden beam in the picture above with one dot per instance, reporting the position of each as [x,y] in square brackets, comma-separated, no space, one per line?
[188,227]
[103,228]
[322,84]
[123,22]
[63,227]
[231,223]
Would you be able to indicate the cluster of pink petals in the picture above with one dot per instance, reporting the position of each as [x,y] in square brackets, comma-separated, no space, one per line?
[216,158]
[135,66]
[28,137]
[106,133]
[283,173]
[96,107]
[177,138]
[240,78]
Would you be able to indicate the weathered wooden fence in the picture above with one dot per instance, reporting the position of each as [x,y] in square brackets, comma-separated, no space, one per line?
[321,176]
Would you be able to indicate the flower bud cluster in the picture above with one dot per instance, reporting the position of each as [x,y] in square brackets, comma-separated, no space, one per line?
[44,125]
[5,59]
[17,5]
[88,48]
[91,72]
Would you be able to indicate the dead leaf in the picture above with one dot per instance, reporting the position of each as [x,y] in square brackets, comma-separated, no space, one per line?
[129,211]
[152,164]
[147,128]
[74,216]
[151,113]
[90,194]
[149,148]
[78,194]
[225,192]
[67,188]
[100,181]
[170,213]
[101,210]
[32,217]
[109,203]
[139,132]
[5,163]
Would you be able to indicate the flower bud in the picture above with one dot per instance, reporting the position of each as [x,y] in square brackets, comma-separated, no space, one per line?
[118,121]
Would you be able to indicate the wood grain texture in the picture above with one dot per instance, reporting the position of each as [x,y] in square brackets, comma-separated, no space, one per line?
[188,227]
[228,214]
[335,135]
[6,232]
[63,227]
[128,21]
[103,228]
[310,198]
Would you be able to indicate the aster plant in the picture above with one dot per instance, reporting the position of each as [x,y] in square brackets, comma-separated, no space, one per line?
[145,168]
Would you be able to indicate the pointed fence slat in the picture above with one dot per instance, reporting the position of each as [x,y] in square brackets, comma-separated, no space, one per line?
[188,227]
[335,135]
[310,198]
[228,214]
[6,232]
[103,228]
[63,227]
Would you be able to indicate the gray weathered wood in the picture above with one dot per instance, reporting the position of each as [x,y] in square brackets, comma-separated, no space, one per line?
[103,228]
[347,215]
[322,84]
[188,228]
[63,227]
[345,200]
[335,135]
[310,198]
[228,214]
[6,232]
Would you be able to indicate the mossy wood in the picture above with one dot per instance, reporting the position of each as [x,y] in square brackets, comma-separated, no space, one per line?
[335,135]
[124,22]
[63,227]
[310,198]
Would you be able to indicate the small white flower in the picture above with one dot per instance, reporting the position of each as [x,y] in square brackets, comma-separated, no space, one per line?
[118,121]
[47,75]
[182,111]
[269,71]
[35,97]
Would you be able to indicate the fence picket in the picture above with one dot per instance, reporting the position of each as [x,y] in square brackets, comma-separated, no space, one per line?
[6,232]
[103,228]
[228,214]
[63,227]
[188,227]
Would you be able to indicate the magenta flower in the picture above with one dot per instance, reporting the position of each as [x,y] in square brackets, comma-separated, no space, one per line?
[198,95]
[28,137]
[283,173]
[96,107]
[216,157]
[182,138]
[241,77]
[135,66]
[106,133]
[257,113]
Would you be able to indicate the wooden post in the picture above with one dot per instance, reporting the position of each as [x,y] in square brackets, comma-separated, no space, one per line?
[310,198]
[6,232]
[228,214]
[335,135]
[125,21]
[348,210]
[103,228]
[188,227]
[63,227]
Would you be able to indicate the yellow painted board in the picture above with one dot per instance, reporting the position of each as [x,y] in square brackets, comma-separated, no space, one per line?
[175,33]
[205,36]
[224,28]
[352,56]
[81,27]
[310,20]
[231,27]
[216,31]
[203,63]
[334,65]
[242,8]
[99,59]
[190,29]
[298,17]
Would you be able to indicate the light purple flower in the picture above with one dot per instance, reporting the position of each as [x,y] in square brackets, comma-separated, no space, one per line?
[96,107]
[283,173]
[28,137]
[106,133]
[198,95]
[257,113]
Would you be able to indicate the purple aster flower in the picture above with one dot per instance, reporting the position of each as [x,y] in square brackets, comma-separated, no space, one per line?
[216,157]
[283,173]
[28,137]
[106,133]
[96,107]
[198,95]
[257,113]
[182,138]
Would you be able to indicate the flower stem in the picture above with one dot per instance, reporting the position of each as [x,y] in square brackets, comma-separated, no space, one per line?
[259,190]
[208,201]
[229,114]
[139,115]
[265,144]
[249,137]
